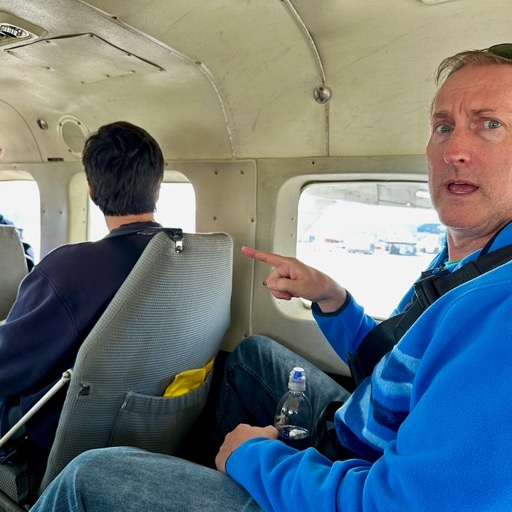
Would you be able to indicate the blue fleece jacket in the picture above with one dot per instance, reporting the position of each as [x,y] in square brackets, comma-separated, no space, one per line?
[446,446]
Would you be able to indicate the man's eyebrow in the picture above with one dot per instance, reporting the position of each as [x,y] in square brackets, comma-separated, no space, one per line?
[439,114]
[443,114]
[483,111]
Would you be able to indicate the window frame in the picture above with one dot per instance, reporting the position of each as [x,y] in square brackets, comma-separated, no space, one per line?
[31,229]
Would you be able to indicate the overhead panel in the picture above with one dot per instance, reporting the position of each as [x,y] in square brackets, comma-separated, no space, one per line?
[86,57]
[259,60]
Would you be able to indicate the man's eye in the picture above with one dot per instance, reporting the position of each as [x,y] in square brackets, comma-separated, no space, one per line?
[443,128]
[492,124]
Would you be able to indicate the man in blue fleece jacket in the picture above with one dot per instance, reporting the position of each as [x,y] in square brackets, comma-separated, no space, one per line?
[60,300]
[430,429]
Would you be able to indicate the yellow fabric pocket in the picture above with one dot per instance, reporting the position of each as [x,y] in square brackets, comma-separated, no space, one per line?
[188,380]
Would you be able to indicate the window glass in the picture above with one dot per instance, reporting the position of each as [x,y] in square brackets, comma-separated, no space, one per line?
[374,238]
[20,203]
[176,208]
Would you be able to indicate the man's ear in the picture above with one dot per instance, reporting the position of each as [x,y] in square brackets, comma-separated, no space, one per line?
[89,191]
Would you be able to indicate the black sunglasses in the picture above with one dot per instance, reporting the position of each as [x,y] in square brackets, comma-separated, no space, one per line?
[501,50]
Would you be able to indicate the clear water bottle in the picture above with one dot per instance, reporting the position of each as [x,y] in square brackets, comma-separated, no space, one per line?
[294,415]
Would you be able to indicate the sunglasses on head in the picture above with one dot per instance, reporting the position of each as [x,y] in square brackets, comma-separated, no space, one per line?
[501,50]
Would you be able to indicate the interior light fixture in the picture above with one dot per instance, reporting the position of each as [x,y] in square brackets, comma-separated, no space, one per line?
[15,31]
[12,31]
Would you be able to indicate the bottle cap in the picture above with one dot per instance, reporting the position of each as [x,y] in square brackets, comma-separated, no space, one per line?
[297,380]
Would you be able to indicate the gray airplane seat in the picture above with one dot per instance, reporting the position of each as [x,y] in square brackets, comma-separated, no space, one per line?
[13,267]
[168,317]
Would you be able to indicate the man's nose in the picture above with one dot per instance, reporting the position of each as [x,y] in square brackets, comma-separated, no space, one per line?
[458,148]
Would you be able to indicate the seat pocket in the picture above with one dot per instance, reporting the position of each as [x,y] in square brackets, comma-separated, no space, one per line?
[158,424]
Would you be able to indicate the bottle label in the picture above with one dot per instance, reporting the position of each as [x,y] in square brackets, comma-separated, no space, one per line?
[296,437]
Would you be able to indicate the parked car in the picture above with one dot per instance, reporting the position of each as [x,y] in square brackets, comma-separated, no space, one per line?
[402,244]
[362,243]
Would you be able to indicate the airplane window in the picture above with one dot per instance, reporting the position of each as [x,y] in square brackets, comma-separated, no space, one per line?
[374,238]
[176,208]
[20,203]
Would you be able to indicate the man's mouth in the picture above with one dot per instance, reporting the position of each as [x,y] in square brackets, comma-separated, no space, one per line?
[461,188]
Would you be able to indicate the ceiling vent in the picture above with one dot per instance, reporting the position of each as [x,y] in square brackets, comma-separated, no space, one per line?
[14,30]
[74,134]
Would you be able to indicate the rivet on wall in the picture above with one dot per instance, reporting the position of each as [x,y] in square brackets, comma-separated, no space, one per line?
[42,124]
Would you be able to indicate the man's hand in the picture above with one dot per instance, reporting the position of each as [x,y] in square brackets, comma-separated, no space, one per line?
[292,278]
[236,437]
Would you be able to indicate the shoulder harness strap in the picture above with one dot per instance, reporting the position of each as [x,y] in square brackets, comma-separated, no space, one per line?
[381,340]
[175,234]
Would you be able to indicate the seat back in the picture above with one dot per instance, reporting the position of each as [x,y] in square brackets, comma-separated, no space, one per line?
[170,315]
[13,267]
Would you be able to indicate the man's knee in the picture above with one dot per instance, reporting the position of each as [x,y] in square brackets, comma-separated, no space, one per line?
[254,346]
[89,482]
[85,463]
[92,462]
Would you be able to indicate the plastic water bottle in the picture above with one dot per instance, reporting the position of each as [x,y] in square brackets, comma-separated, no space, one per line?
[294,415]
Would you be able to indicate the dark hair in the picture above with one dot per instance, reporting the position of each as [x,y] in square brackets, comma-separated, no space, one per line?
[492,55]
[125,168]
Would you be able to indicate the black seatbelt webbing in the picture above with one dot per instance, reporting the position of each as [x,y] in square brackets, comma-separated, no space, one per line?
[381,339]
[175,234]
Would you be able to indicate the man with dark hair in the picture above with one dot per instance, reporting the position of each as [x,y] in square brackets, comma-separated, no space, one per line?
[135,170]
[429,430]
[65,294]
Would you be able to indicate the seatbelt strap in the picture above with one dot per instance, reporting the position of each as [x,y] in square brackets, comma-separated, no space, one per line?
[382,338]
[175,234]
[429,289]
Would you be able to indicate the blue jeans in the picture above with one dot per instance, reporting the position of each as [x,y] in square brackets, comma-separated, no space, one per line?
[132,480]
[256,377]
